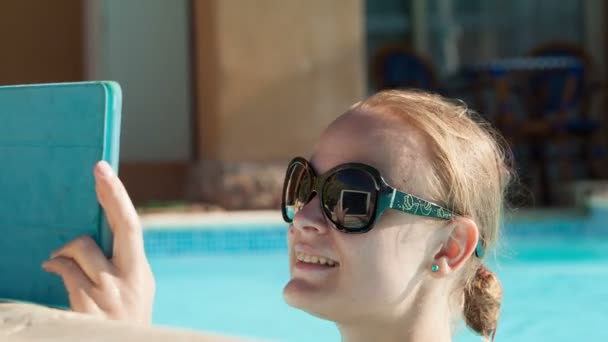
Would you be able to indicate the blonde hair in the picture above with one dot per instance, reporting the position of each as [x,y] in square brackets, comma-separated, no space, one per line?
[470,175]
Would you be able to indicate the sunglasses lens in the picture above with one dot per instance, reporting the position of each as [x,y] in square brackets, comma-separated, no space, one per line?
[349,198]
[298,184]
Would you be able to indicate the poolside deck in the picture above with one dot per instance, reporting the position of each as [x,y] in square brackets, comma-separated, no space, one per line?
[27,322]
[168,220]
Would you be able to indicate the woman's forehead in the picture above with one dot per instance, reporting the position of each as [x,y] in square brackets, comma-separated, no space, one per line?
[387,143]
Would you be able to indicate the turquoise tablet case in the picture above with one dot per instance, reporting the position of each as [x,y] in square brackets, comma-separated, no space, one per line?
[51,137]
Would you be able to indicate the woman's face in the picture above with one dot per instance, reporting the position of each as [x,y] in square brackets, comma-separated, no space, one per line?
[375,274]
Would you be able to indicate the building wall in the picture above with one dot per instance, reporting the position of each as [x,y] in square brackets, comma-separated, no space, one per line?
[41,41]
[145,46]
[272,74]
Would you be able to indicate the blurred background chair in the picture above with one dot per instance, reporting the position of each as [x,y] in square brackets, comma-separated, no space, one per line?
[542,103]
[560,129]
[397,66]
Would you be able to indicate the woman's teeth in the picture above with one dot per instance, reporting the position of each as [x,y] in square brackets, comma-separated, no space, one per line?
[313,259]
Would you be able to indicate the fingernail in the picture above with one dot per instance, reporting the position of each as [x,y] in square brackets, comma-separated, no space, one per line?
[105,169]
[45,267]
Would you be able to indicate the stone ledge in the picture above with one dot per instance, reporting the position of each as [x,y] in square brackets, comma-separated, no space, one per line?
[237,185]
[211,220]
[27,322]
[589,191]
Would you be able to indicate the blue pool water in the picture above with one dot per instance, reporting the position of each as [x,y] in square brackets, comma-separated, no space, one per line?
[554,286]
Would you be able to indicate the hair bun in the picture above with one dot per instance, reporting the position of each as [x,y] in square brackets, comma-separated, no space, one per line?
[482,299]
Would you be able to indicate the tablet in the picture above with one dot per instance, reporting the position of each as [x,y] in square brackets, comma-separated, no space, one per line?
[51,137]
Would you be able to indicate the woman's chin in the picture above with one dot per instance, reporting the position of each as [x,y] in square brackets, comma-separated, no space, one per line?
[302,295]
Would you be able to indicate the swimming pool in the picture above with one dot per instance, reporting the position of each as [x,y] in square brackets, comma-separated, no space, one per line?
[230,280]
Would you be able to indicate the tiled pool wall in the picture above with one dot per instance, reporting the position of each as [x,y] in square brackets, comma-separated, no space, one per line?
[245,239]
[258,237]
[590,222]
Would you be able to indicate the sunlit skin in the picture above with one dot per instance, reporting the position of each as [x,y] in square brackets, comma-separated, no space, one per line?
[382,288]
[121,288]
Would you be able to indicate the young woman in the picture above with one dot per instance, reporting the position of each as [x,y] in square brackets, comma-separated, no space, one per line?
[389,220]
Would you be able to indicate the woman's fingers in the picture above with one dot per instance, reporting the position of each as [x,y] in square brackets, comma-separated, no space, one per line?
[88,257]
[125,224]
[79,287]
[122,287]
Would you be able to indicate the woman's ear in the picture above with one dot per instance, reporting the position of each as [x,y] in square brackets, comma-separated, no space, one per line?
[458,247]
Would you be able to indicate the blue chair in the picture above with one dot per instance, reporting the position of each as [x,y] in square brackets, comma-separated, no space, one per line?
[396,66]
[562,128]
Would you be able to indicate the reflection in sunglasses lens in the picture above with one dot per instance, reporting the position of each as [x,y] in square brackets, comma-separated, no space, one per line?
[348,198]
[297,189]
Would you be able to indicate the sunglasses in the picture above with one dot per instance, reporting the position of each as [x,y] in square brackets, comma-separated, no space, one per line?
[353,196]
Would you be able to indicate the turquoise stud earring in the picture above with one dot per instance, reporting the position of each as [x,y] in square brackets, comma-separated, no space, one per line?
[435,268]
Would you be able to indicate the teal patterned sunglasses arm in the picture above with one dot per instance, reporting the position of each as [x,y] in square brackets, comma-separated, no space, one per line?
[417,206]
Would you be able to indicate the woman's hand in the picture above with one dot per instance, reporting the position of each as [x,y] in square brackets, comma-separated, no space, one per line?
[121,288]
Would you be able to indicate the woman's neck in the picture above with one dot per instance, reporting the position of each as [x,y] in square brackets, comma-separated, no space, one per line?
[428,320]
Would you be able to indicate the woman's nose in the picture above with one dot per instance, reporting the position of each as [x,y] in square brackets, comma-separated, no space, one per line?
[310,218]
